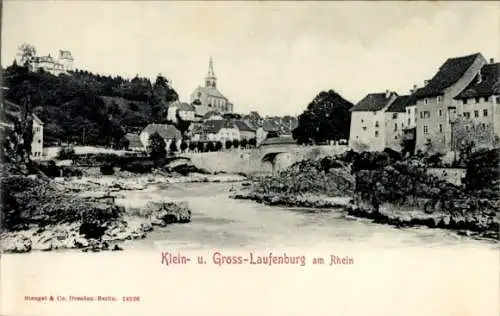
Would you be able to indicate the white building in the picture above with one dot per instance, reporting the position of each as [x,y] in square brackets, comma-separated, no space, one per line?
[367,132]
[168,132]
[186,111]
[63,63]
[37,142]
[217,130]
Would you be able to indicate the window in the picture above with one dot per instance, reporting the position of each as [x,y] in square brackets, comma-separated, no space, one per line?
[464,101]
[408,111]
[415,111]
[396,137]
[409,122]
[426,101]
[376,133]
[477,100]
[466,127]
[438,99]
[486,99]
[376,123]
[421,114]
[498,100]
[466,114]
[362,121]
[485,112]
[484,126]
[476,113]
[364,128]
[394,116]
[440,128]
[440,112]
[426,129]
[395,126]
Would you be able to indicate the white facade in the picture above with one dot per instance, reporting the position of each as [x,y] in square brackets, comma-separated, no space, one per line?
[394,123]
[37,142]
[411,116]
[367,131]
[224,135]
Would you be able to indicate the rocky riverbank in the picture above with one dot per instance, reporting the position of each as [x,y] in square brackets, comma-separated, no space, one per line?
[300,200]
[46,215]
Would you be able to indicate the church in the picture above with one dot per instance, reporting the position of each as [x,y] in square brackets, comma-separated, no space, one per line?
[209,98]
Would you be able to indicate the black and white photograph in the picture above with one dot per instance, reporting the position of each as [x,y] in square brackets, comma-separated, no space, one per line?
[250,158]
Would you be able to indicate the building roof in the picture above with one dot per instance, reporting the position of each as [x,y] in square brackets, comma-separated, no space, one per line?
[182,106]
[214,126]
[134,140]
[270,126]
[166,131]
[210,114]
[488,86]
[242,126]
[37,119]
[449,73]
[211,91]
[281,140]
[399,104]
[372,102]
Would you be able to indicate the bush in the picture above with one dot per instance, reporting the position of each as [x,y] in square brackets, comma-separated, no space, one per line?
[244,143]
[107,169]
[156,147]
[236,143]
[218,146]
[66,153]
[201,147]
[173,146]
[252,142]
[184,146]
[228,144]
[209,147]
[192,146]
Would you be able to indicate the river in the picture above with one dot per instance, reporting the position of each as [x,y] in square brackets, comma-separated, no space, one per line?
[415,271]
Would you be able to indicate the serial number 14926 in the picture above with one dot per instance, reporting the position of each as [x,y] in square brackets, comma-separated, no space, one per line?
[131,298]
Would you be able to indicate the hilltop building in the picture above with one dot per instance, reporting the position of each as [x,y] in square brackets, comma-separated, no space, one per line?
[209,98]
[63,63]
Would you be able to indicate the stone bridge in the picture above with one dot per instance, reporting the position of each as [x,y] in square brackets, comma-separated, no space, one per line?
[265,159]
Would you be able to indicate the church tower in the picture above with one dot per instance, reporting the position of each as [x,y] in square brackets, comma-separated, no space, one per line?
[210,79]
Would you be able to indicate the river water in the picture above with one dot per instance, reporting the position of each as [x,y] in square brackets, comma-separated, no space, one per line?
[416,271]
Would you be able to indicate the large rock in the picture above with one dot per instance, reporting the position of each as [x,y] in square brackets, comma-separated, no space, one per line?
[169,212]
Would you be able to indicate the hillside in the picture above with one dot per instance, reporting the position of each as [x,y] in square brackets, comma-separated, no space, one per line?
[86,108]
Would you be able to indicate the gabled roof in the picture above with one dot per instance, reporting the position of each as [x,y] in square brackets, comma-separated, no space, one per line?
[211,91]
[214,126]
[182,106]
[399,104]
[281,140]
[166,131]
[372,102]
[37,119]
[488,86]
[134,140]
[448,74]
[270,126]
[242,126]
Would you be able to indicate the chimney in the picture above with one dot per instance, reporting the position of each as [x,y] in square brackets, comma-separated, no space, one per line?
[413,89]
[426,82]
[492,60]
[387,94]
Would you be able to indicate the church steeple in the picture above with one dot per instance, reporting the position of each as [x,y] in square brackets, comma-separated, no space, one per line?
[210,79]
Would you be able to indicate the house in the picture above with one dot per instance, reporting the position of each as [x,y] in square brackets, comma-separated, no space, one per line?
[281,141]
[217,130]
[212,115]
[246,132]
[11,113]
[168,132]
[37,142]
[436,105]
[185,110]
[368,128]
[134,142]
[209,98]
[55,66]
[480,106]
[394,122]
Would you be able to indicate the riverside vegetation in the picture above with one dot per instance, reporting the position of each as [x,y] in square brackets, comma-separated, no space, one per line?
[387,189]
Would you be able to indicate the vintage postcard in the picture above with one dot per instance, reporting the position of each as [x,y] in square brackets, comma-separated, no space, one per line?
[250,158]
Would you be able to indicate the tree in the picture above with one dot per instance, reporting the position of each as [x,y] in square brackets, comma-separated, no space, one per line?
[123,143]
[252,142]
[192,146]
[184,146]
[228,144]
[244,143]
[466,135]
[156,147]
[27,52]
[210,147]
[201,147]
[327,117]
[236,143]
[173,146]
[218,145]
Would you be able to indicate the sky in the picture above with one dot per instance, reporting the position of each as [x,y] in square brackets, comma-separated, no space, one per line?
[272,57]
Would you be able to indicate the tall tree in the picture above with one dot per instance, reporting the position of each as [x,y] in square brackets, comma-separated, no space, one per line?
[27,52]
[327,117]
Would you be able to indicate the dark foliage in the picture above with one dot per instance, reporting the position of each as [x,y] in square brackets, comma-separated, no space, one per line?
[107,169]
[482,172]
[252,142]
[210,147]
[156,147]
[236,143]
[327,117]
[218,146]
[229,144]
